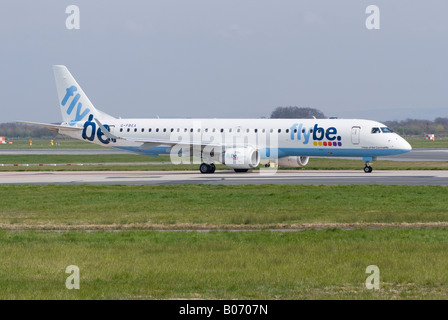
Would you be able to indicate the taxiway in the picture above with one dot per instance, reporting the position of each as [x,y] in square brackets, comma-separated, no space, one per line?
[310,177]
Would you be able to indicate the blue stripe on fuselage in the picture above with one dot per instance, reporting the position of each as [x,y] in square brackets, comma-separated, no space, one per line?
[332,152]
[284,152]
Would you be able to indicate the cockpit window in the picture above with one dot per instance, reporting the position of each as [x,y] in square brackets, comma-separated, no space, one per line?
[386,130]
[376,130]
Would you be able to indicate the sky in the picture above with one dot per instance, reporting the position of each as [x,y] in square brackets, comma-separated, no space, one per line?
[227,58]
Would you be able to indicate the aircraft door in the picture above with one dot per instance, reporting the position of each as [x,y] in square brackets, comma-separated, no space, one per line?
[356,135]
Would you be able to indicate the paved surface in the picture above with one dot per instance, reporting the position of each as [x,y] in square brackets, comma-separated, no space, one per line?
[317,177]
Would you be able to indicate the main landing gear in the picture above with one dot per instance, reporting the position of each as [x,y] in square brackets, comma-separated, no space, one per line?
[368,168]
[207,168]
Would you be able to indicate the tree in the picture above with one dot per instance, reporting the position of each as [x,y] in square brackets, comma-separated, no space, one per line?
[296,113]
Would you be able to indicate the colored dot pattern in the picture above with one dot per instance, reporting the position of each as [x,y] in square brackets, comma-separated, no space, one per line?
[327,144]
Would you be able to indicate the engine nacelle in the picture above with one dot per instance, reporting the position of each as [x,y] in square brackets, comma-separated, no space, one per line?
[291,162]
[241,158]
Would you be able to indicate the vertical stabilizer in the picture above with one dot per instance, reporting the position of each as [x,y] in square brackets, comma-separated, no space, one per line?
[75,105]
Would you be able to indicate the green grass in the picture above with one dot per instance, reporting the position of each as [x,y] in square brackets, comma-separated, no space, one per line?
[94,158]
[137,264]
[216,206]
[327,264]
[134,162]
[422,143]
[45,144]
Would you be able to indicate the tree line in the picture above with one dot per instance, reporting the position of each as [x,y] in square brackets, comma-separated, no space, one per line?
[13,130]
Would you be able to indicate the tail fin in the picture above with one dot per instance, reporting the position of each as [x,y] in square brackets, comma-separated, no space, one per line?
[74,104]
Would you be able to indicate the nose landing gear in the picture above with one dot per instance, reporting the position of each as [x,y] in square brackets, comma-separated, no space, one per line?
[368,168]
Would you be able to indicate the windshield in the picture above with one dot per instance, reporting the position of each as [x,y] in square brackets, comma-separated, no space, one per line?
[376,130]
[386,130]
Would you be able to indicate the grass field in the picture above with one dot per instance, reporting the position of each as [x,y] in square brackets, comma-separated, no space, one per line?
[217,206]
[422,143]
[327,264]
[402,230]
[46,144]
[128,162]
[139,264]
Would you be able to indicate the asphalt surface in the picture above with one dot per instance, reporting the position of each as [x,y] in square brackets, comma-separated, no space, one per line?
[308,177]
[331,177]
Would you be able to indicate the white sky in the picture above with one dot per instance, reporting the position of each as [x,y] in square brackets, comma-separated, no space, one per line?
[227,58]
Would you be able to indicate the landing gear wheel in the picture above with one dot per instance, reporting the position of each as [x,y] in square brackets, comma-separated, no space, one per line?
[241,170]
[204,168]
[207,168]
[368,169]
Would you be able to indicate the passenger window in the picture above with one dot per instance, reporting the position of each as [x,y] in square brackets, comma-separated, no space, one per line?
[279,130]
[121,129]
[135,130]
[143,129]
[287,130]
[149,130]
[164,129]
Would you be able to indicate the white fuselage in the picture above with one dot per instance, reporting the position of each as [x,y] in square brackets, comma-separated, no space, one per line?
[273,137]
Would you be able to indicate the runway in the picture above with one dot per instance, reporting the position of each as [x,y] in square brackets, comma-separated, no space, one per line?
[306,177]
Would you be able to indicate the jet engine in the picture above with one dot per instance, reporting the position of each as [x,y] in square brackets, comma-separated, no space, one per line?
[291,162]
[241,158]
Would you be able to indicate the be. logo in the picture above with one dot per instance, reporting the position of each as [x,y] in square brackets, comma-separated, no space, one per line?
[89,131]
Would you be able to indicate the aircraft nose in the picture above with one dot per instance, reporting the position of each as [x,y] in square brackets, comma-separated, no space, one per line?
[403,144]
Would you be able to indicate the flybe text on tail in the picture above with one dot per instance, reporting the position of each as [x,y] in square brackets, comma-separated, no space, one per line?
[80,113]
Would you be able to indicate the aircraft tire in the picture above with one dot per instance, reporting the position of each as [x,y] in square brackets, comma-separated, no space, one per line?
[204,168]
[368,169]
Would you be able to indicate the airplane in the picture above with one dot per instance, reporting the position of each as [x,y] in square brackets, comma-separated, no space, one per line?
[239,144]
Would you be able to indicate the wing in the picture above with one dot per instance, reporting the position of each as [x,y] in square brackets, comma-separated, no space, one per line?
[52,127]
